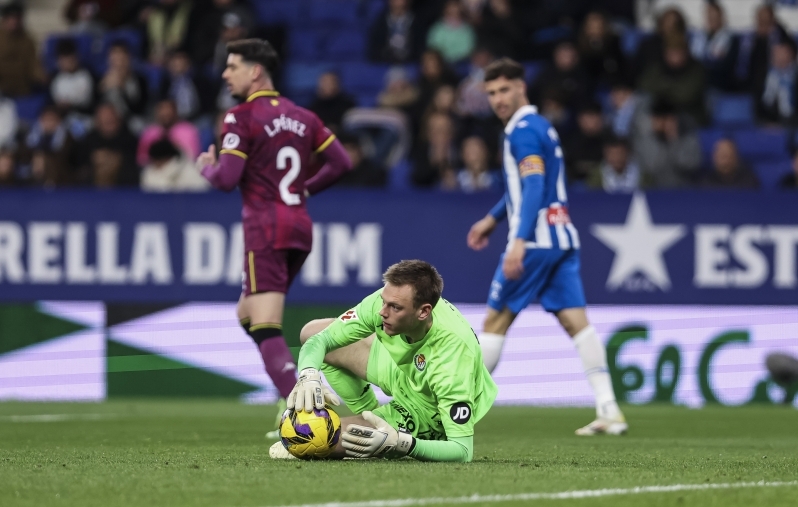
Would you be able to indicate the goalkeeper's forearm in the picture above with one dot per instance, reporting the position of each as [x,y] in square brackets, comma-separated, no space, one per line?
[459,450]
[312,353]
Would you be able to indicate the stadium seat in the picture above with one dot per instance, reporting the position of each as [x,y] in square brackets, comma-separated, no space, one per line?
[359,77]
[630,40]
[130,37]
[733,111]
[345,45]
[154,77]
[324,13]
[531,70]
[28,107]
[84,43]
[758,144]
[301,77]
[304,45]
[770,173]
[708,138]
[275,12]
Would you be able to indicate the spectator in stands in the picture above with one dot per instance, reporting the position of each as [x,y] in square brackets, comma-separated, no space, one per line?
[565,75]
[167,27]
[583,148]
[776,95]
[452,36]
[600,50]
[790,181]
[167,124]
[618,173]
[233,28]
[192,94]
[472,101]
[624,110]
[48,149]
[107,155]
[396,35]
[72,86]
[499,30]
[20,70]
[667,147]
[434,74]
[728,171]
[8,169]
[475,175]
[670,23]
[756,49]
[365,172]
[678,79]
[169,170]
[434,160]
[399,92]
[93,16]
[716,48]
[552,107]
[9,122]
[122,86]
[331,104]
[205,30]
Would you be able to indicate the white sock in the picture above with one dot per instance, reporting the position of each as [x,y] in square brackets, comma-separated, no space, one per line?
[594,362]
[491,344]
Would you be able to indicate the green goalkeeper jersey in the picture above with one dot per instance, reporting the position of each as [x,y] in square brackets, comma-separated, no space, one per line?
[441,377]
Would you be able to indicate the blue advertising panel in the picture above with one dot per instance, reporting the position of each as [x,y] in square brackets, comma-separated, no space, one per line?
[656,248]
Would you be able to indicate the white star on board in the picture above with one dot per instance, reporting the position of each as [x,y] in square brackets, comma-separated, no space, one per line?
[638,245]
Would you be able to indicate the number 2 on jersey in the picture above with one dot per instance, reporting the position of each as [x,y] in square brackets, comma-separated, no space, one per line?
[288,153]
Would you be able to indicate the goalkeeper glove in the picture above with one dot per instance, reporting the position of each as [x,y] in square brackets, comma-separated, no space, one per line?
[310,393]
[382,441]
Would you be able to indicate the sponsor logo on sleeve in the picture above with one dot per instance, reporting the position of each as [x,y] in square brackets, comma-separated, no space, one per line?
[349,315]
[532,164]
[230,118]
[231,141]
[460,412]
[420,361]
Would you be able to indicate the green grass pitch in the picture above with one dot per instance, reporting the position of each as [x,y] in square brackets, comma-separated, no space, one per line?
[213,453]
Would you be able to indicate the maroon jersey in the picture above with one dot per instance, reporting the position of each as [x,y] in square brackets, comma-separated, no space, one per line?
[276,138]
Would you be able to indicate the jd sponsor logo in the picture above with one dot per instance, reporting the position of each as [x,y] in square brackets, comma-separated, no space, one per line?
[460,412]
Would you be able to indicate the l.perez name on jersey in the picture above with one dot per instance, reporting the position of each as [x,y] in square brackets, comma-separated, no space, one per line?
[287,124]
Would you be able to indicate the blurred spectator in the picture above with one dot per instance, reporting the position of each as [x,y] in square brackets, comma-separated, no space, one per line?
[618,173]
[566,75]
[756,49]
[790,181]
[600,49]
[499,30]
[399,92]
[472,101]
[476,176]
[624,109]
[716,48]
[233,28]
[192,94]
[434,74]
[20,70]
[122,86]
[667,147]
[48,149]
[678,79]
[553,108]
[584,147]
[365,172]
[452,36]
[9,122]
[331,103]
[670,23]
[434,159]
[206,26]
[72,86]
[167,27]
[396,35]
[168,125]
[8,169]
[93,16]
[776,95]
[169,170]
[107,155]
[728,171]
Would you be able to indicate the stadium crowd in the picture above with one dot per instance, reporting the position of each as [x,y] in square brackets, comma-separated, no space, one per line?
[132,93]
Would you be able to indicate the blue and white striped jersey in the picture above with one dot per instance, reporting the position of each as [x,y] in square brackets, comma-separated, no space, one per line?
[537,204]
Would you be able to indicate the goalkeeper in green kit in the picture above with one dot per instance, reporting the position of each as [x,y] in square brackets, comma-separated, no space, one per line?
[416,347]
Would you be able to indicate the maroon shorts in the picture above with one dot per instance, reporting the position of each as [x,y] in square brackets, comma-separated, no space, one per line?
[270,270]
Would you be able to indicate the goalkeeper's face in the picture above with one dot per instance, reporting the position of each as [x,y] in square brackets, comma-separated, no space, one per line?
[506,96]
[399,315]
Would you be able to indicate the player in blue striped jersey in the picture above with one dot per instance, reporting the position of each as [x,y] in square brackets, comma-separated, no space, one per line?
[541,261]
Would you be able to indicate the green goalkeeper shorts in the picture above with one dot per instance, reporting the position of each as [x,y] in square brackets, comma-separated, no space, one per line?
[407,410]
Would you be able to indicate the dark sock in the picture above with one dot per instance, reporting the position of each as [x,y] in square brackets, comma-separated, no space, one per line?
[276,357]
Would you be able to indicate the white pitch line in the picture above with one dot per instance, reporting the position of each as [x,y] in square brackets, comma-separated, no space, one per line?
[54,417]
[563,495]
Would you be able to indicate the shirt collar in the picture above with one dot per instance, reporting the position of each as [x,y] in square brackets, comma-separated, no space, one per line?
[522,111]
[263,93]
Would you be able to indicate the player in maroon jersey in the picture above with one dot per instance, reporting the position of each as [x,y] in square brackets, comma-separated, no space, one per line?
[267,145]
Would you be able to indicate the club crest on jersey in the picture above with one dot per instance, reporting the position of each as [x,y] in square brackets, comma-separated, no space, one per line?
[230,118]
[231,141]
[532,164]
[420,361]
[349,315]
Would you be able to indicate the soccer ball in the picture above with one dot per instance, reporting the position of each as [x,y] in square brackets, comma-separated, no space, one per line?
[309,435]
